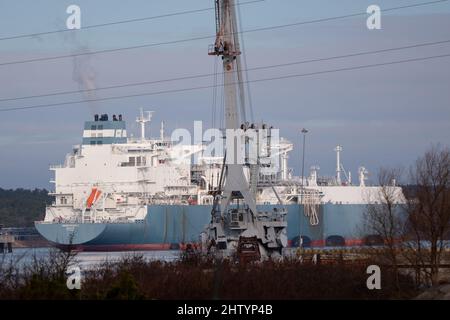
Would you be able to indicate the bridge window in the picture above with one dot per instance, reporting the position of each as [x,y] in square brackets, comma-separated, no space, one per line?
[134,161]
[140,161]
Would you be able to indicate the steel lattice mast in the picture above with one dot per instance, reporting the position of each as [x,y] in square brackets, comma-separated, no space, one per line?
[227,46]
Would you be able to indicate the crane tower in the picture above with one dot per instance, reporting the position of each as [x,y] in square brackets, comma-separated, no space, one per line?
[235,218]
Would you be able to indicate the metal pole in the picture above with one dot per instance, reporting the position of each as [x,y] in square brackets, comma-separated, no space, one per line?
[304,132]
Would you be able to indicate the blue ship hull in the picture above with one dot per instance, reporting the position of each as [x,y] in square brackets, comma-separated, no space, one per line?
[172,226]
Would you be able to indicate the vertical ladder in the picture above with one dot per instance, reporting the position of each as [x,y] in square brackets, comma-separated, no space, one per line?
[254,177]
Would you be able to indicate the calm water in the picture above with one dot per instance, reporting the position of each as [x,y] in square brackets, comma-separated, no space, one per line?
[86,260]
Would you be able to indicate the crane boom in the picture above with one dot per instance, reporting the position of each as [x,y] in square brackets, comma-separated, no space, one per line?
[227,46]
[237,223]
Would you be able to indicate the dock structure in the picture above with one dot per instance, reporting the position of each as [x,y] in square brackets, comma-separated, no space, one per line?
[6,241]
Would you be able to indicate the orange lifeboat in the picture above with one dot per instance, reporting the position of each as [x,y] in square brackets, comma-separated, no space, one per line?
[95,194]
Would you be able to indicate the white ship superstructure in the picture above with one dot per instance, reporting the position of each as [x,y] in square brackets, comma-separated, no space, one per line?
[111,177]
[126,174]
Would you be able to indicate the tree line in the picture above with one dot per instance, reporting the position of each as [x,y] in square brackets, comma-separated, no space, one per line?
[21,207]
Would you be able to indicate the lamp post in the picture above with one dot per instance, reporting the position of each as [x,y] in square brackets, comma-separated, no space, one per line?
[304,132]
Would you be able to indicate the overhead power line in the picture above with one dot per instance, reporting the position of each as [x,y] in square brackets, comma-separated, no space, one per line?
[211,86]
[211,36]
[167,15]
[412,46]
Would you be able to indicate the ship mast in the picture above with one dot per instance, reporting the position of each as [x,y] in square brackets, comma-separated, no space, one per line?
[338,150]
[142,120]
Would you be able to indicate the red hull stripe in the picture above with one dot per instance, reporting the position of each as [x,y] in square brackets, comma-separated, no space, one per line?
[125,247]
[182,246]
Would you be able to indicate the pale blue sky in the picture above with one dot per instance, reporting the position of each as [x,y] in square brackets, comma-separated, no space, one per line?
[383,117]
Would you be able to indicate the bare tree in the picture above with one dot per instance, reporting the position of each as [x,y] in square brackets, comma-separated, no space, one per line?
[384,219]
[429,210]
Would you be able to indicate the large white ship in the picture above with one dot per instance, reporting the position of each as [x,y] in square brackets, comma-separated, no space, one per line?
[116,192]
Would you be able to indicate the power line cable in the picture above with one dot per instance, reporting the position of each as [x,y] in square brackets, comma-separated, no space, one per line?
[209,37]
[210,86]
[417,45]
[119,22]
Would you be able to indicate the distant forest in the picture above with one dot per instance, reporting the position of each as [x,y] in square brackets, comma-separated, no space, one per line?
[21,207]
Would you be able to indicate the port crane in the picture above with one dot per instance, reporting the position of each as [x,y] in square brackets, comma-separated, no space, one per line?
[236,224]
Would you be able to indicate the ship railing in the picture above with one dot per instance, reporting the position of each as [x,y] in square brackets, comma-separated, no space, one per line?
[99,221]
[44,222]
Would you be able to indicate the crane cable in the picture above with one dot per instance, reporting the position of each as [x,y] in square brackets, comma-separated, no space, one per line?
[214,97]
[244,60]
